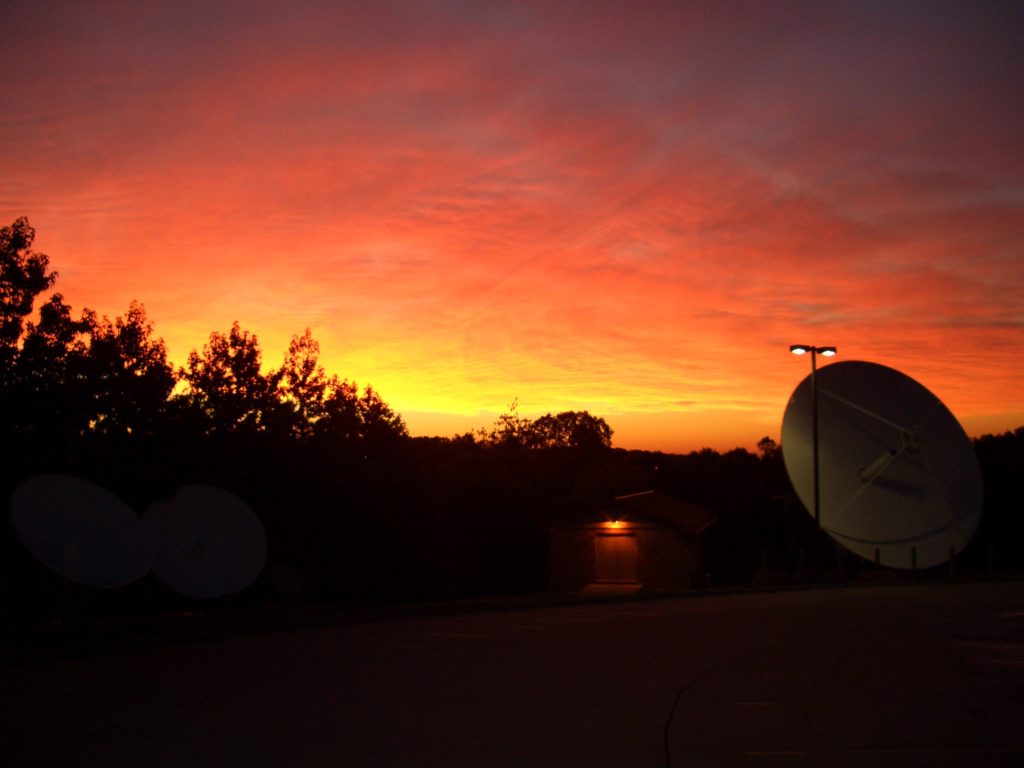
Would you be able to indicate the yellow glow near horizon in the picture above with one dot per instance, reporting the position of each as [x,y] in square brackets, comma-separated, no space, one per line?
[633,216]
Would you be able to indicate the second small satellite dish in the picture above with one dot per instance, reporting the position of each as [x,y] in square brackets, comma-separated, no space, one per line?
[80,530]
[898,477]
[208,543]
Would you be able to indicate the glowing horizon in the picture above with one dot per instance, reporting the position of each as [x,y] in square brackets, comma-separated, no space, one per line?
[628,209]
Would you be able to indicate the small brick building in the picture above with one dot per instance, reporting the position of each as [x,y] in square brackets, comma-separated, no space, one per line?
[647,540]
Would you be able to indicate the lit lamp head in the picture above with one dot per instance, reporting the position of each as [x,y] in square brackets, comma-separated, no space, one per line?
[803,349]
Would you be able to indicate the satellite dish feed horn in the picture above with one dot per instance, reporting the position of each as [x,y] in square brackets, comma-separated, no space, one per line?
[899,480]
[870,472]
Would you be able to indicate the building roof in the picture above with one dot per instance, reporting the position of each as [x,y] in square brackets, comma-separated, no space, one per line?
[651,506]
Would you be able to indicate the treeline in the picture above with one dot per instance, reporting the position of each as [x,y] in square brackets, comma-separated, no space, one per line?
[73,385]
[356,510]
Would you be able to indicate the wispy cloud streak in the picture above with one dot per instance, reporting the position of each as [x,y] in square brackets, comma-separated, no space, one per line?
[631,208]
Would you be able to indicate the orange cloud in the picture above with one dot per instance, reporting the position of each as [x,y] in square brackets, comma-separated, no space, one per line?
[628,209]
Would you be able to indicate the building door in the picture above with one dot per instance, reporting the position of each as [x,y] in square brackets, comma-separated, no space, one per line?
[615,558]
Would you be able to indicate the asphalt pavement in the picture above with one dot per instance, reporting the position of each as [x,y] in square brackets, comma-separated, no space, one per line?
[910,675]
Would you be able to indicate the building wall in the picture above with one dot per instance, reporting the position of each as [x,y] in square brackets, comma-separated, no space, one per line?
[665,558]
[571,558]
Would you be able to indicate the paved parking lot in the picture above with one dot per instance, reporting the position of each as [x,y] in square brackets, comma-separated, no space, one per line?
[861,676]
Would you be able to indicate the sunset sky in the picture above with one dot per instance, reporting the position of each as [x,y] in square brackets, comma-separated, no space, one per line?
[631,208]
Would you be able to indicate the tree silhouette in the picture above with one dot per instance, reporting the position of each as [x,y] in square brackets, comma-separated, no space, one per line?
[768,448]
[304,387]
[226,385]
[42,397]
[129,378]
[329,407]
[510,429]
[571,429]
[23,277]
[380,422]
[349,415]
[49,346]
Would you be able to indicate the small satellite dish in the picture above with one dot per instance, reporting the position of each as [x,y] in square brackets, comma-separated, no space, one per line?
[207,542]
[80,530]
[898,478]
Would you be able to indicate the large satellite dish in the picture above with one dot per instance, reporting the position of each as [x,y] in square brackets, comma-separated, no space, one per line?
[80,530]
[898,478]
[208,542]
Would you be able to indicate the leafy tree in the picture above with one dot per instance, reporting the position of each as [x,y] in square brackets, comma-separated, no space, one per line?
[226,385]
[999,541]
[379,422]
[768,448]
[304,386]
[570,429]
[49,345]
[327,406]
[43,398]
[23,277]
[509,429]
[349,415]
[129,378]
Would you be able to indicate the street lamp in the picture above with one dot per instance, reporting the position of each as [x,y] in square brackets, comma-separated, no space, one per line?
[803,349]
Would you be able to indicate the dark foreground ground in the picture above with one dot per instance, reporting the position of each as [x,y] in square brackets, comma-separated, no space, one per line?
[915,675]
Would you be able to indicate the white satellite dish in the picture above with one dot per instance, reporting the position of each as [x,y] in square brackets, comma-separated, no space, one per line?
[899,482]
[80,530]
[207,542]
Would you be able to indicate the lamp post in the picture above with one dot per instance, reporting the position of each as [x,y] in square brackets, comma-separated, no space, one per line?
[803,349]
